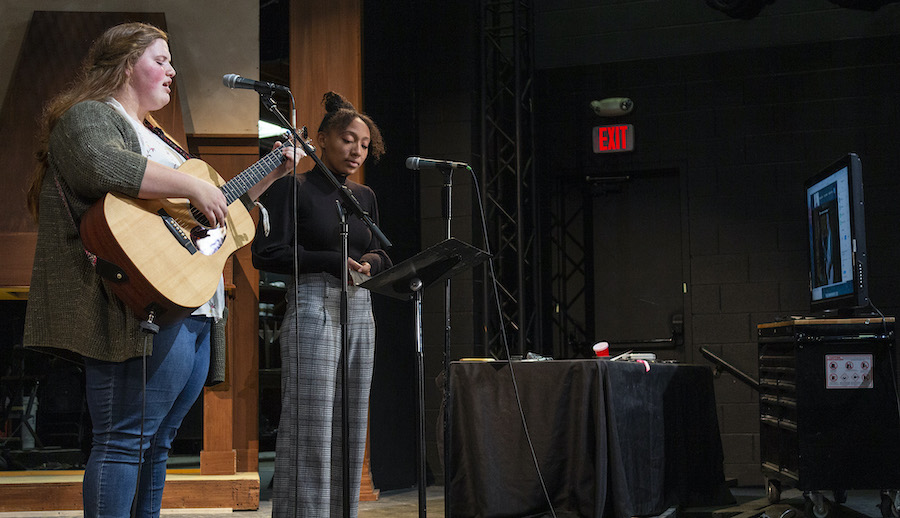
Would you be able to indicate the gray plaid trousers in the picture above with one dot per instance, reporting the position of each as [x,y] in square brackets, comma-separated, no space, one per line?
[308,464]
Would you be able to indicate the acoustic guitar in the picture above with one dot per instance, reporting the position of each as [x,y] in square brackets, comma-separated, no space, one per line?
[160,256]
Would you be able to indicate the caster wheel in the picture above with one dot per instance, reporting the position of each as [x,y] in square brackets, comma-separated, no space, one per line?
[773,491]
[823,510]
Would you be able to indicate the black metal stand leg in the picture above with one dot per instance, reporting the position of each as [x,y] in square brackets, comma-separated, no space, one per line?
[447,209]
[18,381]
[416,286]
[405,281]
[345,368]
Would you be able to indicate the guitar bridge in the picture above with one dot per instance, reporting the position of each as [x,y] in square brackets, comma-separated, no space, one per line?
[177,231]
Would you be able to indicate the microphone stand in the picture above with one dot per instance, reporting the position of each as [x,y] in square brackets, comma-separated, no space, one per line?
[417,287]
[446,203]
[345,366]
[349,204]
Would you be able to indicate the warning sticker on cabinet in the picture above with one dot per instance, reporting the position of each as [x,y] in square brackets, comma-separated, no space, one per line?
[848,371]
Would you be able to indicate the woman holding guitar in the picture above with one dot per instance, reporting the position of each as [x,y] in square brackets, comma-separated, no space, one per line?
[98,137]
[305,242]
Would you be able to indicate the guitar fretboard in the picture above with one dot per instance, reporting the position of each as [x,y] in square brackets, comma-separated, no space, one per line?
[240,184]
[251,176]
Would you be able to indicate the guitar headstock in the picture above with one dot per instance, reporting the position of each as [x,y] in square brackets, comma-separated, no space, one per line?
[304,134]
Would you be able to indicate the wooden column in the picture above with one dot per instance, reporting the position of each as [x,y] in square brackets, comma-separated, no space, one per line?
[245,329]
[326,55]
[230,409]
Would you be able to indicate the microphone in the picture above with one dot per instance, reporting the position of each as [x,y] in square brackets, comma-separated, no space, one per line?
[415,163]
[236,81]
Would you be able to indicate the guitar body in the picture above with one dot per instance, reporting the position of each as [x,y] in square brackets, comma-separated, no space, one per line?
[163,260]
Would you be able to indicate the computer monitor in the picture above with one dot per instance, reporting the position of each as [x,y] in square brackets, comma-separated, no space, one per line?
[837,238]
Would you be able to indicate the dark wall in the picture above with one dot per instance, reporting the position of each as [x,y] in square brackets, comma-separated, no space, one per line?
[389,97]
[419,67]
[12,318]
[743,110]
[745,128]
[420,83]
[586,32]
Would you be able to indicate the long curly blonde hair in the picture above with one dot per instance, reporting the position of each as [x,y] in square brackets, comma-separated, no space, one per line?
[102,74]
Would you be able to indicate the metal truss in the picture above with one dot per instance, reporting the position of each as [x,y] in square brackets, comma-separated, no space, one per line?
[570,294]
[508,178]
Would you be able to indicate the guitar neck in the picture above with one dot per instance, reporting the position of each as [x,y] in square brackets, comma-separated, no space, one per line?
[240,184]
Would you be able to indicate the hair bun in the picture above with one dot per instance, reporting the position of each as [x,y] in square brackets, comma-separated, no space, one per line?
[335,101]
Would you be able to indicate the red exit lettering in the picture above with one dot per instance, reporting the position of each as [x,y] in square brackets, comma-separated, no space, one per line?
[613,139]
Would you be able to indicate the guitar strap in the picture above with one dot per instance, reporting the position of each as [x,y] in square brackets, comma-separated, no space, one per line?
[165,138]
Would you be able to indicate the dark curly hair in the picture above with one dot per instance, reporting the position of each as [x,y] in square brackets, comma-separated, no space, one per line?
[339,113]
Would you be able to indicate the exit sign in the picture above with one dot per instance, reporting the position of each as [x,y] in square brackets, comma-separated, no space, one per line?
[613,139]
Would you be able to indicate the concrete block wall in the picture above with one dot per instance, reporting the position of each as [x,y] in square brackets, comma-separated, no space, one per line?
[745,110]
[746,128]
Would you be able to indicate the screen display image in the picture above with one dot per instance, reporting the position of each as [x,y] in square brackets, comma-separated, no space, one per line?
[837,238]
[831,244]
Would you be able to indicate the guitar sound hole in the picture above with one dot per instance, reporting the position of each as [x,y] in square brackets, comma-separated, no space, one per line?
[208,240]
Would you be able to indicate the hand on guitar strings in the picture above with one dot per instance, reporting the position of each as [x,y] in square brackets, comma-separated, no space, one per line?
[209,199]
[292,156]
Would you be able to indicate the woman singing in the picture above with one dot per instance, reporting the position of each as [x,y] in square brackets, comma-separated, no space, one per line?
[98,137]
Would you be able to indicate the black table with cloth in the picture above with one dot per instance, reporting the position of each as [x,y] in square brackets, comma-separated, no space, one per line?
[611,439]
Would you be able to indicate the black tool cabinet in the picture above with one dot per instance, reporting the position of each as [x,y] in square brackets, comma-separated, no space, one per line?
[828,408]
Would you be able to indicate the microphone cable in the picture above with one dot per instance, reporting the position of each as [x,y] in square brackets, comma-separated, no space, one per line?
[137,483]
[505,341]
[295,268]
[295,285]
[889,497]
[891,357]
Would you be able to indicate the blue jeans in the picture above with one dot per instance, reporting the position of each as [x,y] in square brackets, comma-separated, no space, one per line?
[176,372]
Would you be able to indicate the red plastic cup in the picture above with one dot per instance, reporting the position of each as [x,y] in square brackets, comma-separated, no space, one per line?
[601,349]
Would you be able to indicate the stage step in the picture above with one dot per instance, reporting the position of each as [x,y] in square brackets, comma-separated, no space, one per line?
[185,489]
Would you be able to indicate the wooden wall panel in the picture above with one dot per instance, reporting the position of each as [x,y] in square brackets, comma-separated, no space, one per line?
[54,47]
[17,259]
[325,45]
[40,492]
[55,44]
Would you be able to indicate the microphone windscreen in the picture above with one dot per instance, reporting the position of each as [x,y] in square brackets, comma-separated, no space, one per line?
[412,163]
[229,80]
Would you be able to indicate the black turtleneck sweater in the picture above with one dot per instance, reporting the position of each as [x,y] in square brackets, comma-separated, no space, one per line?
[318,245]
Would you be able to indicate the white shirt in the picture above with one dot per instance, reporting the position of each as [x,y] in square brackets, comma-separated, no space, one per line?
[154,148]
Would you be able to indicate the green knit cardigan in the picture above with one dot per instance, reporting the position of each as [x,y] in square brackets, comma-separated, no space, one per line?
[93,150]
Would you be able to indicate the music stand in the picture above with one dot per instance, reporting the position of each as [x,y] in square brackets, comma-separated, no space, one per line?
[407,280]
